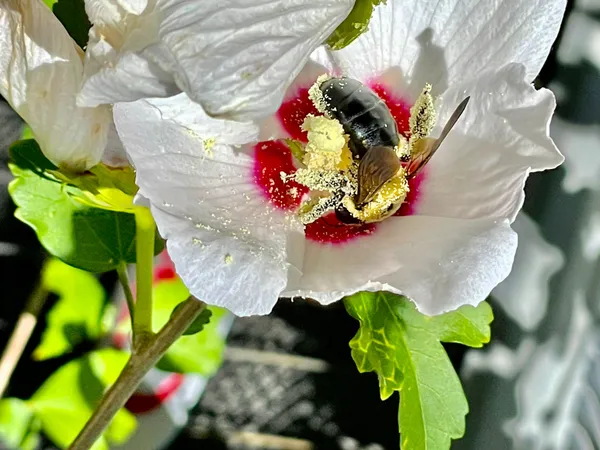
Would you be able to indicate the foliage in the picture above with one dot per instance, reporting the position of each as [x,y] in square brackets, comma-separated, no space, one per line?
[78,313]
[404,348]
[69,396]
[69,225]
[197,353]
[19,428]
[354,25]
[63,404]
[71,14]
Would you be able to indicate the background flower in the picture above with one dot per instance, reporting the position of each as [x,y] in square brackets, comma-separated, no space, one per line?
[208,179]
[40,73]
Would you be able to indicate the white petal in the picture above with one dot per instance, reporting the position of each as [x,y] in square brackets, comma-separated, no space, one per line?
[117,67]
[237,58]
[134,6]
[439,263]
[114,154]
[132,78]
[104,11]
[445,41]
[226,243]
[481,168]
[535,263]
[40,71]
[222,270]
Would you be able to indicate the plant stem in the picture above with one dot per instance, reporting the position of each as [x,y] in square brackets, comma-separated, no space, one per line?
[124,279]
[144,226]
[142,359]
[21,334]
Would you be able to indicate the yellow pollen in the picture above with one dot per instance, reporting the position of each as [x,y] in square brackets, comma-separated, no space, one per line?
[325,142]
[316,95]
[209,143]
[403,147]
[422,115]
[386,202]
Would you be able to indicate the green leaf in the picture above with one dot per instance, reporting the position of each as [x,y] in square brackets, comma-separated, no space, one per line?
[69,396]
[354,25]
[404,348]
[27,133]
[76,316]
[17,424]
[90,238]
[198,353]
[71,14]
[198,323]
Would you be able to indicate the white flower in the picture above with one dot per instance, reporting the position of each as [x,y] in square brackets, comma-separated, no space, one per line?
[41,71]
[234,58]
[219,197]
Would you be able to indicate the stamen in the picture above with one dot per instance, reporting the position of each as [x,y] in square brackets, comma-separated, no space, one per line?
[309,212]
[325,142]
[422,115]
[316,95]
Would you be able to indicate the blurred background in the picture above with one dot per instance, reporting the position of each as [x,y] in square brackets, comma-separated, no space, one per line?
[288,381]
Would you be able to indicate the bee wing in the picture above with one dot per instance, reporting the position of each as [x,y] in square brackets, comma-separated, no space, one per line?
[378,166]
[425,148]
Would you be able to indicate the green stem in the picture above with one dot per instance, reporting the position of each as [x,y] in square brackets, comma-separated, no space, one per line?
[144,226]
[144,356]
[124,280]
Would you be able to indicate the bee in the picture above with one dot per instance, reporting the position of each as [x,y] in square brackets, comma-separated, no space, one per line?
[373,139]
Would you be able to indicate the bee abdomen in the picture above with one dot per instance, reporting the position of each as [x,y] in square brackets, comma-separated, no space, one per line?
[364,116]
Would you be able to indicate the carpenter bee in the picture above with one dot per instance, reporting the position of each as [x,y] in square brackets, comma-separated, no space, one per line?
[373,140]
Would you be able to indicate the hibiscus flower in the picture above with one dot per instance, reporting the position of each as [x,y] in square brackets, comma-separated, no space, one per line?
[231,200]
[41,70]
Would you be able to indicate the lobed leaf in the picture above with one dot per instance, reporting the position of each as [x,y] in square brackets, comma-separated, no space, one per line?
[404,348]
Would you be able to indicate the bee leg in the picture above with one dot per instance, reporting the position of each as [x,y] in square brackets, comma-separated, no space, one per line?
[344,216]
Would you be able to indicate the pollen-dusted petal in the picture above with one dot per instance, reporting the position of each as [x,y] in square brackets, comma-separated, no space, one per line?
[40,73]
[480,169]
[207,205]
[274,175]
[443,42]
[439,263]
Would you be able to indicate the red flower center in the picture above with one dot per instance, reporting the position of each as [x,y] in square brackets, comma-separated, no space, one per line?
[273,160]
